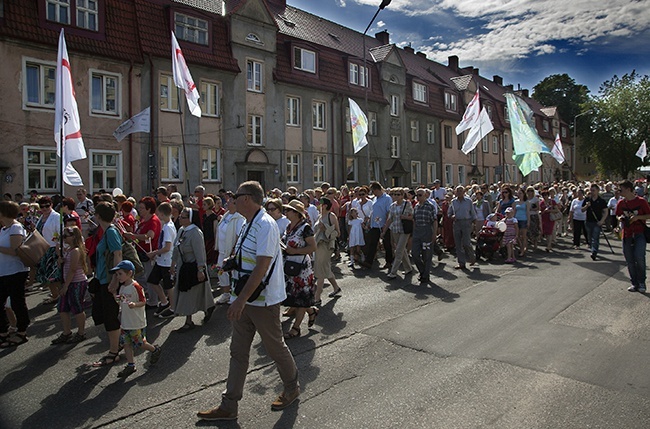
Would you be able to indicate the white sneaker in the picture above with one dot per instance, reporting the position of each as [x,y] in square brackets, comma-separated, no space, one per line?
[224,298]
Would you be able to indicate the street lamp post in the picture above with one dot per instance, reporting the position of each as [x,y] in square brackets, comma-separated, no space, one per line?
[575,141]
[366,74]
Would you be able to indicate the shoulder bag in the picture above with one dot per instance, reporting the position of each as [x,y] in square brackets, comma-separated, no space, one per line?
[33,249]
[188,274]
[407,224]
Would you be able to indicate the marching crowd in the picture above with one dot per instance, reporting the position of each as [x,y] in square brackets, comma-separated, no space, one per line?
[121,256]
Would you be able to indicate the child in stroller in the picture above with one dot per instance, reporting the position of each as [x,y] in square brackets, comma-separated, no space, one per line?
[490,236]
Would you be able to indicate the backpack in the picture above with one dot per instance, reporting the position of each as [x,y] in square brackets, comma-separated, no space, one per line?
[128,253]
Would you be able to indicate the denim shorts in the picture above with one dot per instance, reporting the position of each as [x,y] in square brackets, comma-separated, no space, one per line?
[522,224]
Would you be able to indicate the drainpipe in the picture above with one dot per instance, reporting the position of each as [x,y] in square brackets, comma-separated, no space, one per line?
[130,113]
[344,169]
[333,141]
[150,157]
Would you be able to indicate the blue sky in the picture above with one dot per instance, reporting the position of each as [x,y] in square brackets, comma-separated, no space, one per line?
[522,41]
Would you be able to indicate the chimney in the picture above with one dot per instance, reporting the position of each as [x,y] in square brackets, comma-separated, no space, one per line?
[421,54]
[282,4]
[409,49]
[453,62]
[524,92]
[497,79]
[475,72]
[383,37]
[509,87]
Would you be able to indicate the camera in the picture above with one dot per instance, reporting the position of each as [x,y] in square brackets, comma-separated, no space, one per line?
[230,264]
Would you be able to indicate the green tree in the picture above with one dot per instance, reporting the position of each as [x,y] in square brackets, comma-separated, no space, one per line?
[562,91]
[618,123]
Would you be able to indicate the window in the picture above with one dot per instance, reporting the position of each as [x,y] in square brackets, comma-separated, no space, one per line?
[486,174]
[358,75]
[586,160]
[293,168]
[41,171]
[461,174]
[416,174]
[374,171]
[170,163]
[105,170]
[449,179]
[472,157]
[293,111]
[318,115]
[105,94]
[210,164]
[394,105]
[304,60]
[254,75]
[40,83]
[505,142]
[488,109]
[319,168]
[415,131]
[419,92]
[450,101]
[252,37]
[563,132]
[448,136]
[372,123]
[168,93]
[254,131]
[431,134]
[209,99]
[495,144]
[87,14]
[191,29]
[545,125]
[431,172]
[348,125]
[58,11]
[514,174]
[460,139]
[394,146]
[351,170]
[486,144]
[506,115]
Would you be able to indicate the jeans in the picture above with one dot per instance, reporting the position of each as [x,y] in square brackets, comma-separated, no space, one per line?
[634,252]
[462,237]
[593,235]
[422,249]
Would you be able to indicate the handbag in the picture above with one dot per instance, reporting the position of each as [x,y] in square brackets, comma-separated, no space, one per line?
[555,216]
[407,224]
[188,276]
[33,249]
[293,268]
[241,282]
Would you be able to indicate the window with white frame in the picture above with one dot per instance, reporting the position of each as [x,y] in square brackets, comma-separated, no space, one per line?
[448,137]
[505,142]
[394,105]
[318,115]
[563,132]
[293,168]
[40,167]
[415,130]
[460,139]
[319,168]
[451,101]
[351,170]
[168,93]
[293,111]
[358,74]
[419,92]
[210,99]
[495,144]
[486,144]
[105,169]
[58,11]
[545,126]
[191,29]
[486,174]
[372,123]
[105,99]
[431,134]
[432,173]
[449,174]
[506,114]
[394,146]
[87,14]
[515,174]
[304,60]
[374,171]
[39,84]
[461,174]
[348,125]
[416,172]
[254,75]
[170,163]
[210,164]
[254,130]
[472,157]
[497,172]
[488,109]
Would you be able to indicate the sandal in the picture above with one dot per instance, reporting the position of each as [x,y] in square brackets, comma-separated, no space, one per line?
[290,312]
[63,338]
[292,333]
[335,293]
[186,327]
[109,359]
[10,340]
[312,317]
[77,338]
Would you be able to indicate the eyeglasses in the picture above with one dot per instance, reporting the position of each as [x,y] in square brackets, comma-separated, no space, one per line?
[240,195]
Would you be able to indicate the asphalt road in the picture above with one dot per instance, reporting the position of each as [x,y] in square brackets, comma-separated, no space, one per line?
[554,341]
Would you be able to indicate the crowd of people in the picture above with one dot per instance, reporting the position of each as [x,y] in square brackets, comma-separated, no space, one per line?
[263,250]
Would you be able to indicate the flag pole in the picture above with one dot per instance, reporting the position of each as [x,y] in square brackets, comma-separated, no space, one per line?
[180,118]
[61,157]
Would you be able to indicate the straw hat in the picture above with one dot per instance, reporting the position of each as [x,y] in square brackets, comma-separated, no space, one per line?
[296,206]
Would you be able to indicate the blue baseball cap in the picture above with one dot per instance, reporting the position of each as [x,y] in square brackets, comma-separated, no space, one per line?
[125,265]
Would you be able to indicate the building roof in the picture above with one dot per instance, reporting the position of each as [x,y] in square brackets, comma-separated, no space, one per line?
[213,6]
[380,53]
[462,82]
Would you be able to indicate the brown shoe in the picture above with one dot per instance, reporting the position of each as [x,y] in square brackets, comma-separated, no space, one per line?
[284,400]
[216,414]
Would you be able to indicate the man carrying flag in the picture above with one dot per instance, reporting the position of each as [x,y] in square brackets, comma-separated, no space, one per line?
[183,78]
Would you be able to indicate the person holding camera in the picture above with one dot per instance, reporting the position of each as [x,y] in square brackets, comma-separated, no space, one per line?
[596,213]
[632,212]
[258,272]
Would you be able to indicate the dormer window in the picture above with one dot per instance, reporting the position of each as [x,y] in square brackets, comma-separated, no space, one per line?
[419,92]
[451,101]
[80,13]
[304,60]
[191,29]
[545,125]
[58,11]
[358,74]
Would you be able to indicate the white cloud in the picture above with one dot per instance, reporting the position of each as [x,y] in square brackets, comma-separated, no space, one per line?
[341,3]
[381,24]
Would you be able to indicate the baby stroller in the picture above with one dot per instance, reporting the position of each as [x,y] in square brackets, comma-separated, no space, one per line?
[490,235]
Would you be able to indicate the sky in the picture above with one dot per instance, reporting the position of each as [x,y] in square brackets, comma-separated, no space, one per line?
[522,41]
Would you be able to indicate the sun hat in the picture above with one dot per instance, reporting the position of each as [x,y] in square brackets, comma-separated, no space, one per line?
[296,206]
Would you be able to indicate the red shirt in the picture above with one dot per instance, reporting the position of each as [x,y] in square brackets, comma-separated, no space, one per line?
[154,225]
[635,206]
[128,220]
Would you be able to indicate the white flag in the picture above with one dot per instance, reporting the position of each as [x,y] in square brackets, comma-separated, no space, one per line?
[359,125]
[471,114]
[140,123]
[66,118]
[183,78]
[480,129]
[557,151]
[642,152]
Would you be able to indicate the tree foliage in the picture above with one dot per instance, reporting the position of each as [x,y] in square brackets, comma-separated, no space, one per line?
[618,123]
[562,91]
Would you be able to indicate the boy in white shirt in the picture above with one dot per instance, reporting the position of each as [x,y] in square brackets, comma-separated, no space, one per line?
[159,278]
